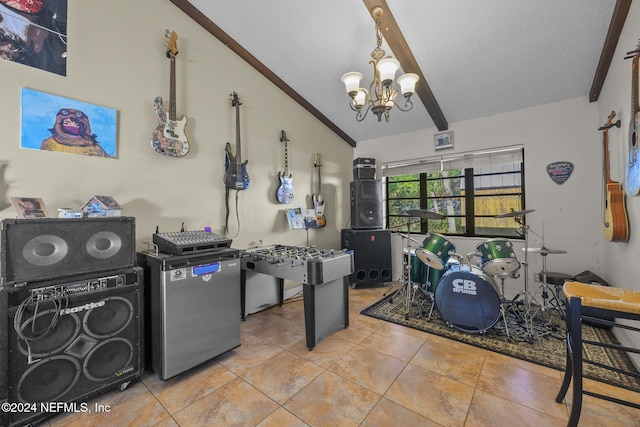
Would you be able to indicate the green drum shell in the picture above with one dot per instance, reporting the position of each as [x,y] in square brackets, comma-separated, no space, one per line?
[435,250]
[417,273]
[497,257]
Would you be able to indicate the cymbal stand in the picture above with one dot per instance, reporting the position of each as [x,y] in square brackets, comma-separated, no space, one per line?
[528,296]
[554,301]
[407,291]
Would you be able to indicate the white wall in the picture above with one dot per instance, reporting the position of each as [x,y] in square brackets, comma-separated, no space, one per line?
[116,58]
[621,259]
[569,213]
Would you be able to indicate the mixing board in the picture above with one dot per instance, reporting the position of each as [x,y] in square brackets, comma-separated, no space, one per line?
[189,242]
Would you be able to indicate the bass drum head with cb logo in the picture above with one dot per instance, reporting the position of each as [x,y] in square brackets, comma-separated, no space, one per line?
[468,299]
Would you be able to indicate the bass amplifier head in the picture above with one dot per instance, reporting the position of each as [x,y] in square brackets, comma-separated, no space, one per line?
[48,248]
[70,341]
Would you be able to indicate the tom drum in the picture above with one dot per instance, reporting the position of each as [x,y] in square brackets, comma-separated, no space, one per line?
[497,257]
[435,250]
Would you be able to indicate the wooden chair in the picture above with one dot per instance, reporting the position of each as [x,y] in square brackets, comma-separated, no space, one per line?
[600,302]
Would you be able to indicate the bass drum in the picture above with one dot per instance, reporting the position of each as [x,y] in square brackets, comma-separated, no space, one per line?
[468,299]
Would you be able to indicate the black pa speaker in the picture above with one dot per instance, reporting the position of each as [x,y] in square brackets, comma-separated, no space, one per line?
[371,255]
[366,204]
[66,342]
[49,248]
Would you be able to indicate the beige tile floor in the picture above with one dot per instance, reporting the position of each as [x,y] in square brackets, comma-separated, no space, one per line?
[372,373]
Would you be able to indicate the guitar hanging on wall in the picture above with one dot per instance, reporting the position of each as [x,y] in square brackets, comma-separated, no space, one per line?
[616,223]
[632,181]
[169,137]
[235,171]
[318,203]
[284,195]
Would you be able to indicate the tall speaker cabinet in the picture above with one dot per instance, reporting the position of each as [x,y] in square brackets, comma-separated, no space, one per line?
[371,255]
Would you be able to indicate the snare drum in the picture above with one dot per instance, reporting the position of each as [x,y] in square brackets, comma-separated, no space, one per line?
[435,250]
[418,268]
[468,299]
[497,257]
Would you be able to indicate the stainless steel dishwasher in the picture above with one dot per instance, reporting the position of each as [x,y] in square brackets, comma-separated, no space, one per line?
[192,308]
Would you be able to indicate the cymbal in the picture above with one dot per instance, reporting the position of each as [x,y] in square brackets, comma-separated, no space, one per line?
[514,213]
[423,213]
[545,251]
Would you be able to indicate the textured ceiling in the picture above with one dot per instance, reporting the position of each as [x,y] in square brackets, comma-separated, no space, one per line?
[479,57]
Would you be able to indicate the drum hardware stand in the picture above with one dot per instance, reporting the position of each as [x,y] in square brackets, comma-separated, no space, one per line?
[554,301]
[407,291]
[519,217]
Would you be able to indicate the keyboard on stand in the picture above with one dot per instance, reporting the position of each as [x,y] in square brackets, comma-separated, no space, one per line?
[189,242]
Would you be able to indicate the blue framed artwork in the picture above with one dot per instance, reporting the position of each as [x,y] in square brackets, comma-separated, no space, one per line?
[55,123]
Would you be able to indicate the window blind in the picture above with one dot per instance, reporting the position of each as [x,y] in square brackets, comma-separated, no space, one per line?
[497,156]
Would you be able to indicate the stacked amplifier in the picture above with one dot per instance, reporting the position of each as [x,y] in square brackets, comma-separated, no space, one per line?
[371,245]
[71,310]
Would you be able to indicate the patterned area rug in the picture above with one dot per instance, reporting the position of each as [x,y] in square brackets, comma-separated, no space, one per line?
[542,343]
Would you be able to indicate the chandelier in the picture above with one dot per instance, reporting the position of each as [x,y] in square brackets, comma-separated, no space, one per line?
[381,95]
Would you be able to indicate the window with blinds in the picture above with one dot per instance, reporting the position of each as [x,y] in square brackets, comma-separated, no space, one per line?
[469,189]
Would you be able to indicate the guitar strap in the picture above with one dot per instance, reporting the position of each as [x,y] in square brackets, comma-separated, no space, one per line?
[226,221]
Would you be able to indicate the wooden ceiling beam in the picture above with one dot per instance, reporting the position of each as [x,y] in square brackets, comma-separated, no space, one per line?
[396,41]
[613,35]
[218,33]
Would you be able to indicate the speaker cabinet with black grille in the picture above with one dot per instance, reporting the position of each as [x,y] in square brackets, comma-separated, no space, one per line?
[371,255]
[49,248]
[68,341]
[366,204]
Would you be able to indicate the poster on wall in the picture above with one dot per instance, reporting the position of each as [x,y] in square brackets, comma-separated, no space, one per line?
[54,123]
[34,33]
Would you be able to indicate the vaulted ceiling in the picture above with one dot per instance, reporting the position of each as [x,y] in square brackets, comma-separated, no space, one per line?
[475,58]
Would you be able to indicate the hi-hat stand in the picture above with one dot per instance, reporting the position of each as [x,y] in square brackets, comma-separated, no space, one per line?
[529,299]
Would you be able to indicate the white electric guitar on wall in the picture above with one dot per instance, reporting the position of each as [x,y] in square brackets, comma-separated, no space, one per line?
[169,137]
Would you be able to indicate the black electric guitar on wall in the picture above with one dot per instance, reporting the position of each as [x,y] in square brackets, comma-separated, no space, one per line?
[235,171]
[169,137]
[284,194]
[318,203]
[632,181]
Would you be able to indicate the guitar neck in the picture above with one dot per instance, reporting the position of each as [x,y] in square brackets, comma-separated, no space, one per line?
[605,144]
[634,86]
[286,159]
[172,90]
[238,151]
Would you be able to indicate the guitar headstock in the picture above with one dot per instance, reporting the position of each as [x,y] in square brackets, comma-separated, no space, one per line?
[235,101]
[633,53]
[172,44]
[317,163]
[283,137]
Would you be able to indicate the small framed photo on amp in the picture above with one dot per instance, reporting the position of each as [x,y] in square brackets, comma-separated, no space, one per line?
[443,140]
[29,207]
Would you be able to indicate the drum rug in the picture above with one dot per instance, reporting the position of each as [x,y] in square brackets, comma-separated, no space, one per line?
[545,346]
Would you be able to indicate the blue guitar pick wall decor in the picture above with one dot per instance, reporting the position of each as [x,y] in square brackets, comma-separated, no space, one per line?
[560,172]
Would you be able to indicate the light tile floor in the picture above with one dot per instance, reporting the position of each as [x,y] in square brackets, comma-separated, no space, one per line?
[373,373]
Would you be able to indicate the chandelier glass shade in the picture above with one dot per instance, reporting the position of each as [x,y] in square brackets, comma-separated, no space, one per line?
[381,95]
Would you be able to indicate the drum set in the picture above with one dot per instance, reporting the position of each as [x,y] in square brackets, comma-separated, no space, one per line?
[465,290]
